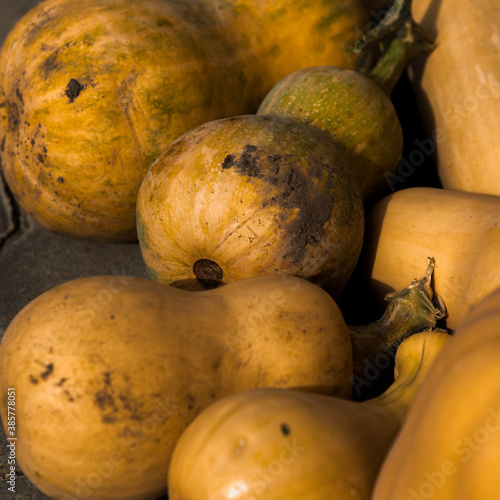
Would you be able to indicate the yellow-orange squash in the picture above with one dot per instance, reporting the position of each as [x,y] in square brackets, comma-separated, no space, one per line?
[449,445]
[276,444]
[460,230]
[251,195]
[458,89]
[354,109]
[91,92]
[108,371]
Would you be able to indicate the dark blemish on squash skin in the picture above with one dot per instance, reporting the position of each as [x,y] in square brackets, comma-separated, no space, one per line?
[69,396]
[49,369]
[285,429]
[228,161]
[247,164]
[61,381]
[49,65]
[104,400]
[19,96]
[73,89]
[33,379]
[13,116]
[294,191]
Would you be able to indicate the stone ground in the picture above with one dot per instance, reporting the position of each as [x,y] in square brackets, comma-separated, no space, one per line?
[33,260]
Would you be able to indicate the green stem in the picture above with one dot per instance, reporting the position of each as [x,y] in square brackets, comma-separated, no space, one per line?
[410,310]
[409,41]
[400,38]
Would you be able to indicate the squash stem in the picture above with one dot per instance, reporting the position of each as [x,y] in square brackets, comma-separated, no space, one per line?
[400,38]
[409,311]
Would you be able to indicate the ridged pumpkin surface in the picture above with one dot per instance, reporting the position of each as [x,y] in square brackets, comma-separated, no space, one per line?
[92,96]
[252,195]
[91,93]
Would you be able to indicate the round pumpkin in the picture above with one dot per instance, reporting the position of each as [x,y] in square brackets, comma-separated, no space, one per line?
[247,196]
[353,109]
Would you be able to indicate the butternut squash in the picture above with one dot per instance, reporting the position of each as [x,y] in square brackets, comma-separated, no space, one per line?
[109,370]
[277,444]
[91,93]
[458,88]
[460,230]
[449,445]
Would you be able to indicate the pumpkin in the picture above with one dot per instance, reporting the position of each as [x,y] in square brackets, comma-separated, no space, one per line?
[354,105]
[109,370]
[91,94]
[458,89]
[280,443]
[262,194]
[353,109]
[275,38]
[246,196]
[449,445]
[460,230]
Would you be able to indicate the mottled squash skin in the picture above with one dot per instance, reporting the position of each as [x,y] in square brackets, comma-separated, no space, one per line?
[353,109]
[90,94]
[278,37]
[253,195]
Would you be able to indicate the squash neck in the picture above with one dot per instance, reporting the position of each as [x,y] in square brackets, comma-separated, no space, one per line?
[409,311]
[414,359]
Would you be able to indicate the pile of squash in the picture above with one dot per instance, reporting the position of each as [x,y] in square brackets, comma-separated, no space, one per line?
[252,150]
